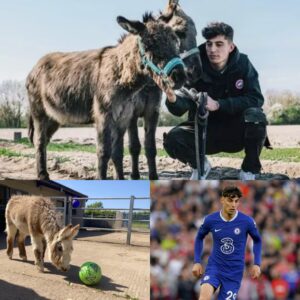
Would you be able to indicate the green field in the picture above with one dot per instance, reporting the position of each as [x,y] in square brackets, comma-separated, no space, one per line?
[278,154]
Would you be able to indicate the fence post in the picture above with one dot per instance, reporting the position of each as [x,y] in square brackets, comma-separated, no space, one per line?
[65,210]
[70,210]
[130,215]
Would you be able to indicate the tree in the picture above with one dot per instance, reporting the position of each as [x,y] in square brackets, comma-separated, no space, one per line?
[13,104]
[99,213]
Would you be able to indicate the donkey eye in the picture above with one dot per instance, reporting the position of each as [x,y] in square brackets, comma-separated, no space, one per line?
[59,247]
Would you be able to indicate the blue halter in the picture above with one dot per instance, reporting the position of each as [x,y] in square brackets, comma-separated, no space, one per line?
[165,72]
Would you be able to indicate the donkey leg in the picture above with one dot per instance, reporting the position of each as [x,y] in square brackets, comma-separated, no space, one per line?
[151,121]
[118,150]
[52,127]
[40,144]
[134,147]
[37,243]
[11,234]
[21,245]
[103,148]
[44,248]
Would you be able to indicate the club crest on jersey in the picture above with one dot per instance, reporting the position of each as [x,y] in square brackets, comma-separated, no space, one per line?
[237,230]
[227,247]
[206,278]
[239,84]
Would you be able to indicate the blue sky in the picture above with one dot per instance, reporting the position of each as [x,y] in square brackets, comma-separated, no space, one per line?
[266,30]
[112,188]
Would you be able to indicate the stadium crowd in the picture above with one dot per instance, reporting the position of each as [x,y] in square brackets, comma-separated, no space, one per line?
[177,211]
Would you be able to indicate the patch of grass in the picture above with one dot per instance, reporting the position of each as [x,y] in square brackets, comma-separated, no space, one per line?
[138,224]
[278,154]
[60,147]
[9,153]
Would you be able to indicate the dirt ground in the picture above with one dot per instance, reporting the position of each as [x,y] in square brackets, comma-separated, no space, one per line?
[125,271]
[67,165]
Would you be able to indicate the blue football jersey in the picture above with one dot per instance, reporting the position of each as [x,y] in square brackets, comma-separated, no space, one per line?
[229,243]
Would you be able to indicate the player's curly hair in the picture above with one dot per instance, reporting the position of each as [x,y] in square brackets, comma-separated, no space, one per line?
[214,29]
[231,192]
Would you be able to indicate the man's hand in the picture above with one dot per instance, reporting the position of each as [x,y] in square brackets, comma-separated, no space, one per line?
[165,87]
[255,271]
[212,105]
[197,270]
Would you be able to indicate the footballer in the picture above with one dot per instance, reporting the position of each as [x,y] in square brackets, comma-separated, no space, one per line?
[229,228]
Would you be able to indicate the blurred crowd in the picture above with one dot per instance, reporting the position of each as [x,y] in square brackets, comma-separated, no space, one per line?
[177,211]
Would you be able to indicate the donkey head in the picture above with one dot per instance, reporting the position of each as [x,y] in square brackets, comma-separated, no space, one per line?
[185,29]
[158,47]
[60,249]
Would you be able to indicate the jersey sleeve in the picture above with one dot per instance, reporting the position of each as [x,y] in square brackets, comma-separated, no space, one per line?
[198,247]
[253,232]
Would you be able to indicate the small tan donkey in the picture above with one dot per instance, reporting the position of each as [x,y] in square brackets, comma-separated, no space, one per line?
[36,216]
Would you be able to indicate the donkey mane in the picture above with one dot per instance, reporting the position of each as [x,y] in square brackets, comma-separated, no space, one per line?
[148,16]
[122,38]
[50,223]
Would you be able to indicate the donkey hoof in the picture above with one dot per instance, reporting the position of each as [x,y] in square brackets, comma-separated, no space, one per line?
[39,267]
[24,258]
[44,176]
[9,256]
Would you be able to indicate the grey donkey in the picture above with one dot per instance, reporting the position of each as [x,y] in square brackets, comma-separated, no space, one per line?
[95,86]
[148,101]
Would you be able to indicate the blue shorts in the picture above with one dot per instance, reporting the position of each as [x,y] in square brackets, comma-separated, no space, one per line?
[228,288]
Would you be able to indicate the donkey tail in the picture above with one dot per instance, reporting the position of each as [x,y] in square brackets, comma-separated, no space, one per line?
[30,129]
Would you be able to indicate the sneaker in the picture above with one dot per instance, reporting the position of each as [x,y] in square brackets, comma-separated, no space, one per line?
[246,175]
[207,168]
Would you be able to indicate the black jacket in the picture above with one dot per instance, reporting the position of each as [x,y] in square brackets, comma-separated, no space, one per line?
[236,88]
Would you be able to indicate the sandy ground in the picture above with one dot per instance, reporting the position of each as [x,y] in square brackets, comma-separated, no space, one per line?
[125,272]
[66,165]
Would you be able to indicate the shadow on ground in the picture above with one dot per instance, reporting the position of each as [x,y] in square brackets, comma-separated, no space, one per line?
[85,233]
[71,276]
[218,173]
[9,292]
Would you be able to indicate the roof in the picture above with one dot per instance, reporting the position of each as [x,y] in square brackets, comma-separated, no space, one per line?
[59,187]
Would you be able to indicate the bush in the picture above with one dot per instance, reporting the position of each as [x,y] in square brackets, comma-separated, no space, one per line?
[13,107]
[283,108]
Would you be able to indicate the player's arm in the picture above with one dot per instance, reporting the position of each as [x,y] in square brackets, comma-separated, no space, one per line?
[198,247]
[257,245]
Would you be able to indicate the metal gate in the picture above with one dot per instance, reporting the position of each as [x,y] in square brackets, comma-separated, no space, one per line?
[131,219]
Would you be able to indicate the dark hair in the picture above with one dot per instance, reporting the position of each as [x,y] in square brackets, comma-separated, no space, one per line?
[231,192]
[217,28]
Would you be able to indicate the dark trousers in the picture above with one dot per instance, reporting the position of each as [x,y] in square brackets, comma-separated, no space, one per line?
[230,135]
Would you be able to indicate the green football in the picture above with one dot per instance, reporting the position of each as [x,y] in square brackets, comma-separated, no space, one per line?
[90,273]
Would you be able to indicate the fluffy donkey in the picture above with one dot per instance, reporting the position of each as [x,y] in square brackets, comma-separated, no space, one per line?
[36,216]
[95,86]
[147,102]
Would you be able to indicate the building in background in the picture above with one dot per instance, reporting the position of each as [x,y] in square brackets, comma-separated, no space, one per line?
[46,188]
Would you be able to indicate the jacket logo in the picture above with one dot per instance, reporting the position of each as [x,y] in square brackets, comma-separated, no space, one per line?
[239,84]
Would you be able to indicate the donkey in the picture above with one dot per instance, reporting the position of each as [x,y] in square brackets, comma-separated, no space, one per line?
[36,216]
[147,102]
[94,87]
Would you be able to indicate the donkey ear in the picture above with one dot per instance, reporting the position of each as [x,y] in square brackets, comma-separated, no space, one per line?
[65,230]
[173,2]
[169,12]
[134,27]
[74,231]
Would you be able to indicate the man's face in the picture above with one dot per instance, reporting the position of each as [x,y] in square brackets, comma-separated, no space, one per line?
[218,50]
[230,204]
